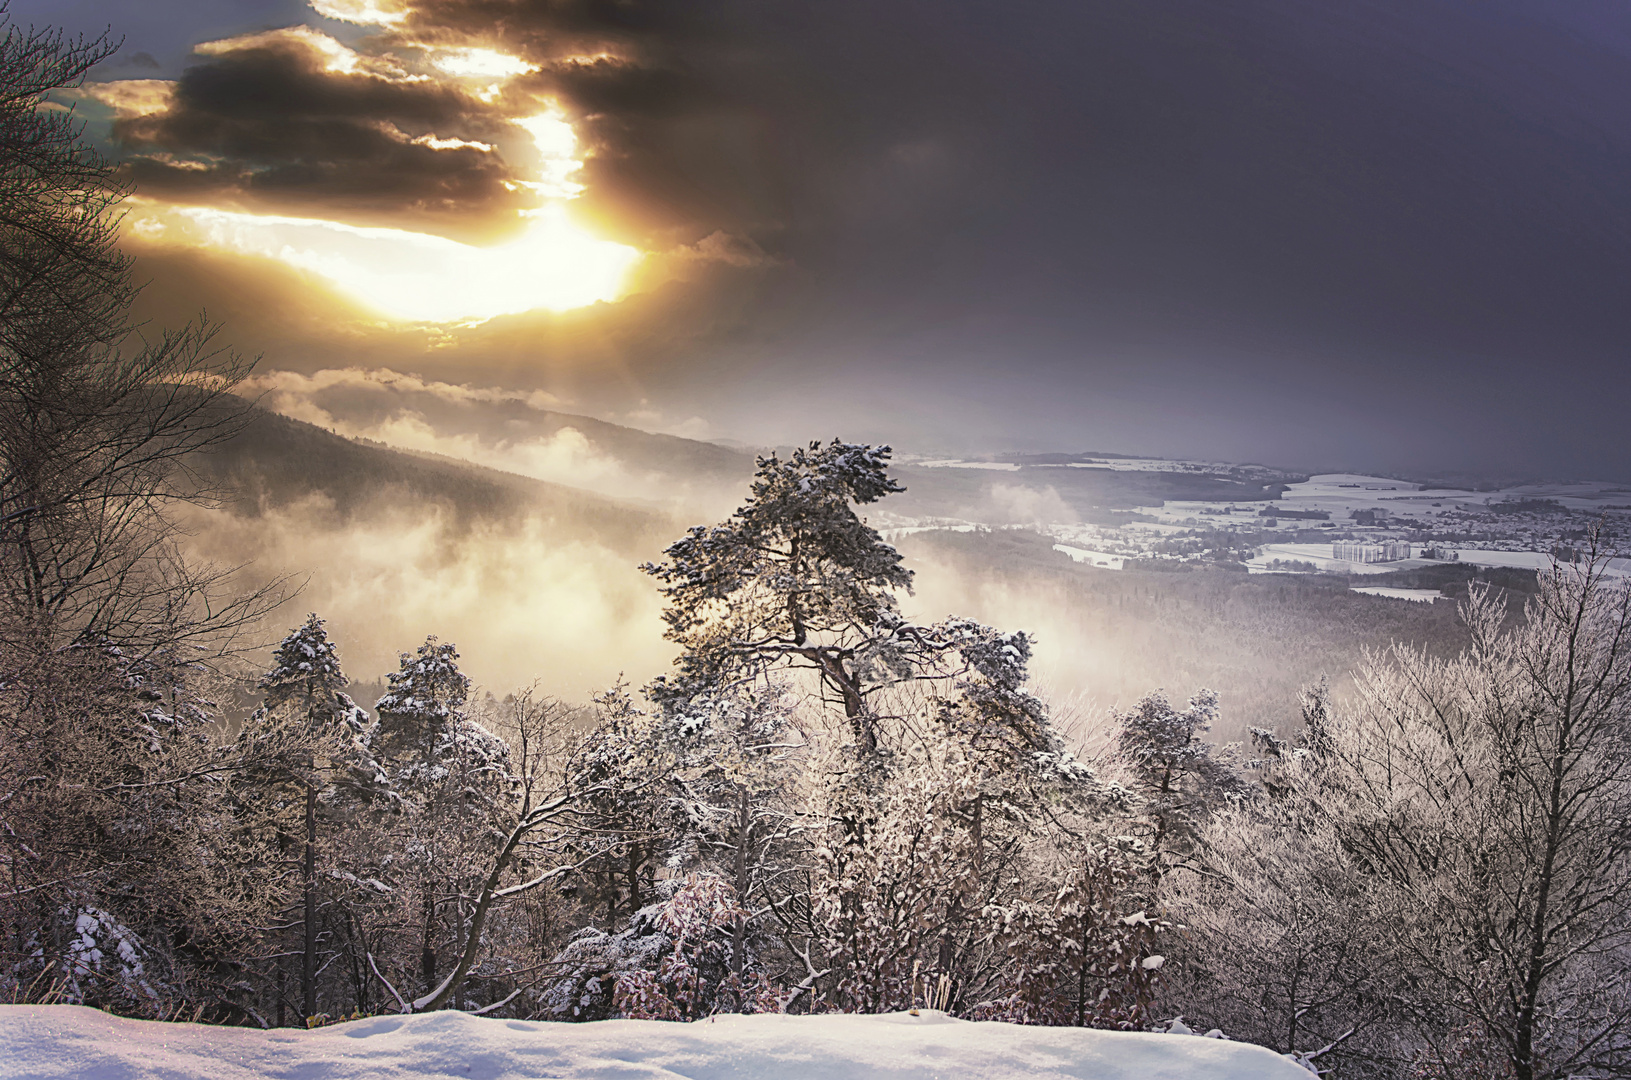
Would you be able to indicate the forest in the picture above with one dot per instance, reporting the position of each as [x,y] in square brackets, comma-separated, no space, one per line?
[822,807]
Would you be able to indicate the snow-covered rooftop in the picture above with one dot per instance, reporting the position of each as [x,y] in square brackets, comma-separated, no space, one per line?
[59,1042]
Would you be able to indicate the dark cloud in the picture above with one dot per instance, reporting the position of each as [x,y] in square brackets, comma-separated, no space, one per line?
[270,124]
[549,30]
[1362,233]
[675,138]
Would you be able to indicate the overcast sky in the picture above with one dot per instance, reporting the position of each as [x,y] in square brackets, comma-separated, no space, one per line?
[1374,234]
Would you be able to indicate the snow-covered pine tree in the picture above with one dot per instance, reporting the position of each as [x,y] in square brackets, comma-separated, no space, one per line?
[936,718]
[450,780]
[793,578]
[633,817]
[304,700]
[1174,770]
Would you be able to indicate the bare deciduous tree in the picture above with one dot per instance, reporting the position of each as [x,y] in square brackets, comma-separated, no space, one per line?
[1450,858]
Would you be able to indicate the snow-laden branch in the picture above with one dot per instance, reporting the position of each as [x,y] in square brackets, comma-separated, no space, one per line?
[400,1000]
[497,1005]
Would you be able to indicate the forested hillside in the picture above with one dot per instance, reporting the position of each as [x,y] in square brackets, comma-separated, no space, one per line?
[275,463]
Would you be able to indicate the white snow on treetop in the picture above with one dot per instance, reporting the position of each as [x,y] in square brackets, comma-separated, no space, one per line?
[59,1042]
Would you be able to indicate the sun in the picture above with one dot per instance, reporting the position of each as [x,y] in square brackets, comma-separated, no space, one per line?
[417,277]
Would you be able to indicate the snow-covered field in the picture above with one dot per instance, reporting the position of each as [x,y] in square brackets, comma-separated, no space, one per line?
[1339,494]
[1102,559]
[956,463]
[65,1042]
[1534,560]
[1420,596]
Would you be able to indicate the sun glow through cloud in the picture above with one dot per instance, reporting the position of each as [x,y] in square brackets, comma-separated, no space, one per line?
[418,277]
[363,12]
[481,64]
[553,265]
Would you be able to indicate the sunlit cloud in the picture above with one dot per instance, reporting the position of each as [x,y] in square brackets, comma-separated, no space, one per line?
[337,58]
[133,97]
[415,277]
[364,12]
[480,64]
[403,274]
[557,146]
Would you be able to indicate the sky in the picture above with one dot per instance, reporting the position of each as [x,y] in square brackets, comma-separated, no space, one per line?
[1374,235]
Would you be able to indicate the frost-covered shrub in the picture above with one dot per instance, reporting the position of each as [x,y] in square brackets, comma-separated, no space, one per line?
[888,886]
[104,960]
[692,977]
[587,971]
[1075,958]
[672,962]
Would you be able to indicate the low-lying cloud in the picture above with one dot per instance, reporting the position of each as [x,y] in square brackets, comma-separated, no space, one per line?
[521,601]
[510,430]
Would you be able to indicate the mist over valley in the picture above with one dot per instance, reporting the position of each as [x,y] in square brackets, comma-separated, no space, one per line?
[515,530]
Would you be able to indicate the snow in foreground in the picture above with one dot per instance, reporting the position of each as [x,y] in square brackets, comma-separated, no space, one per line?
[65,1041]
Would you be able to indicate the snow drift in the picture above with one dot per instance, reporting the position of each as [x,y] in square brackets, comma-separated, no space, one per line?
[75,1043]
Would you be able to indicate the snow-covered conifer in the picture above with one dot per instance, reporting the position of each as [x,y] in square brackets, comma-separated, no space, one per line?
[450,783]
[305,703]
[794,577]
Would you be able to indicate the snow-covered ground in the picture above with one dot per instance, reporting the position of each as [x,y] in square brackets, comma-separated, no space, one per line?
[956,463]
[65,1042]
[1420,596]
[1101,559]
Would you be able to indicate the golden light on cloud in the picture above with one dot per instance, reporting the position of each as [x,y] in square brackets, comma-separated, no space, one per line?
[363,12]
[557,146]
[481,64]
[133,97]
[553,264]
[410,276]
[337,58]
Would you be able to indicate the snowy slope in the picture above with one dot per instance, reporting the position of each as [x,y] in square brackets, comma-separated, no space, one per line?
[63,1042]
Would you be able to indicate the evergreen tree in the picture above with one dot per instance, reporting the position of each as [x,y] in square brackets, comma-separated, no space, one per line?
[1175,770]
[304,689]
[794,577]
[633,816]
[449,779]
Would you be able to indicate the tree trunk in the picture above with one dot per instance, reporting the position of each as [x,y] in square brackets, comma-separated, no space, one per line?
[832,670]
[282,991]
[427,951]
[740,931]
[634,878]
[308,968]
